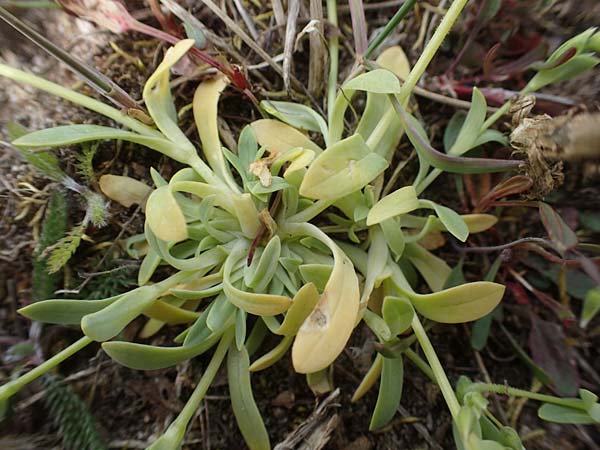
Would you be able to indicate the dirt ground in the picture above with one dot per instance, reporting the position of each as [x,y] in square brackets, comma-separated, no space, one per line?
[133,407]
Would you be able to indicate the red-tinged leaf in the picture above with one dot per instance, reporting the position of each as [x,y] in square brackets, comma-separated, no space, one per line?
[519,293]
[561,311]
[550,351]
[558,231]
[514,185]
[488,60]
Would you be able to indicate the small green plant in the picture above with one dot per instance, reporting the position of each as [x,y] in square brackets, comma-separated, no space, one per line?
[71,415]
[265,240]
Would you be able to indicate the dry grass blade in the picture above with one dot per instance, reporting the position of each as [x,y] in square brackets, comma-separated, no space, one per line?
[246,18]
[279,14]
[290,37]
[318,51]
[316,429]
[213,38]
[359,27]
[234,27]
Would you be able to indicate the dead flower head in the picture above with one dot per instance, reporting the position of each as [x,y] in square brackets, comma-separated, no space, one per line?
[109,14]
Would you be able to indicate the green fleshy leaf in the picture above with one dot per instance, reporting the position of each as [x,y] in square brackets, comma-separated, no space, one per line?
[453,222]
[379,81]
[244,407]
[390,392]
[341,169]
[402,201]
[296,115]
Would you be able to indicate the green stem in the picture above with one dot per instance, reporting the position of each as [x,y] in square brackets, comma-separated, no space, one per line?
[497,114]
[334,50]
[406,7]
[424,184]
[14,386]
[420,363]
[515,392]
[77,98]
[172,438]
[417,71]
[310,212]
[436,367]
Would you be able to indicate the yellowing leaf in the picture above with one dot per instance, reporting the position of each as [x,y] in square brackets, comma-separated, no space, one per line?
[434,270]
[158,99]
[278,137]
[253,303]
[479,222]
[342,169]
[205,103]
[394,59]
[164,216]
[402,201]
[126,191]
[326,331]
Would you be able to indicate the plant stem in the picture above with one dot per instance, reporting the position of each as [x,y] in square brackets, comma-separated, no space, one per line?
[420,363]
[417,71]
[14,386]
[515,392]
[436,367]
[79,99]
[172,438]
[406,7]
[334,49]
[308,213]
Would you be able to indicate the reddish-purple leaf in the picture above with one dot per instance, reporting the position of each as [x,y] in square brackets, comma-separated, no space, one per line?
[550,351]
[513,185]
[558,231]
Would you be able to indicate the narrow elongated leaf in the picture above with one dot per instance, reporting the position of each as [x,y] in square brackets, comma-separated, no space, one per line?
[170,314]
[570,69]
[108,322]
[274,355]
[591,307]
[448,163]
[368,381]
[263,269]
[393,236]
[64,312]
[343,168]
[390,392]
[76,134]
[379,81]
[471,127]
[453,222]
[564,414]
[244,407]
[158,99]
[150,357]
[254,303]
[205,103]
[434,270]
[376,262]
[557,229]
[164,216]
[402,201]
